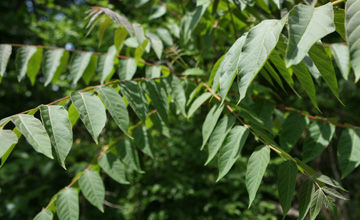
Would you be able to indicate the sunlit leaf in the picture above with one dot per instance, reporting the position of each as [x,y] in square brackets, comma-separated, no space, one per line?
[5,52]
[23,56]
[127,69]
[7,139]
[134,94]
[34,65]
[210,122]
[52,60]
[67,204]
[156,44]
[79,63]
[106,64]
[342,58]
[92,187]
[45,214]
[348,151]
[113,167]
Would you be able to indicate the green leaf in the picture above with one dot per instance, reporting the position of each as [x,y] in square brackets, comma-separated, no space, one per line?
[160,11]
[274,75]
[333,192]
[93,189]
[58,127]
[177,93]
[23,56]
[52,61]
[160,125]
[213,79]
[291,131]
[7,139]
[210,122]
[339,20]
[113,167]
[286,185]
[106,64]
[231,149]
[316,204]
[80,61]
[127,69]
[158,98]
[266,75]
[324,64]
[255,171]
[240,4]
[134,94]
[102,29]
[143,140]
[92,112]
[327,180]
[116,106]
[317,140]
[259,43]
[303,75]
[45,214]
[139,33]
[165,36]
[307,25]
[34,65]
[193,72]
[63,63]
[139,51]
[5,52]
[90,70]
[73,115]
[128,154]
[218,136]
[306,194]
[119,37]
[352,25]
[34,133]
[198,102]
[67,204]
[348,151]
[342,58]
[153,71]
[329,203]
[156,44]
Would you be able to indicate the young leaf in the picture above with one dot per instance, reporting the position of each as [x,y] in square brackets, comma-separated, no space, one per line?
[198,102]
[287,182]
[352,25]
[58,127]
[156,44]
[177,93]
[92,112]
[218,136]
[158,98]
[73,115]
[7,139]
[348,151]
[317,140]
[259,43]
[292,129]
[139,51]
[52,60]
[165,36]
[23,56]
[120,35]
[128,154]
[116,106]
[255,171]
[212,81]
[327,180]
[62,66]
[93,189]
[307,25]
[34,133]
[113,167]
[139,33]
[342,58]
[106,64]
[316,203]
[67,204]
[45,214]
[210,122]
[306,194]
[80,61]
[339,20]
[90,70]
[5,52]
[102,29]
[143,140]
[127,69]
[34,65]
[333,192]
[134,94]
[231,149]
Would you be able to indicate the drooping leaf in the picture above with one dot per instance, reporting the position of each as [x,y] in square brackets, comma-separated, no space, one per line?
[119,37]
[115,105]
[218,136]
[317,140]
[313,70]
[329,203]
[160,125]
[307,25]
[274,75]
[93,189]
[165,36]
[67,204]
[102,29]
[61,67]
[128,154]
[5,52]
[106,64]
[139,51]
[329,181]
[58,127]
[34,65]
[258,161]
[323,63]
[316,204]
[267,77]
[92,112]
[306,194]
[342,58]
[158,98]
[143,140]
[198,102]
[352,26]
[339,21]
[156,44]
[79,63]
[7,139]
[177,93]
[23,56]
[213,79]
[348,151]
[73,115]
[134,94]
[210,122]
[90,70]
[193,72]
[34,132]
[52,60]
[159,11]
[127,69]
[286,185]
[259,43]
[292,129]
[45,214]
[113,167]
[231,149]
[153,71]
[333,192]
[139,33]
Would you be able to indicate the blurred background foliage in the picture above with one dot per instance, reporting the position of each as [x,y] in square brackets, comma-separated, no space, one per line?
[176,184]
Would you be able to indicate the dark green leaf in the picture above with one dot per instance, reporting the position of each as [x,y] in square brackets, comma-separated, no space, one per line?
[292,129]
[143,140]
[348,151]
[136,98]
[113,167]
[159,99]
[306,193]
[210,122]
[93,189]
[287,182]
